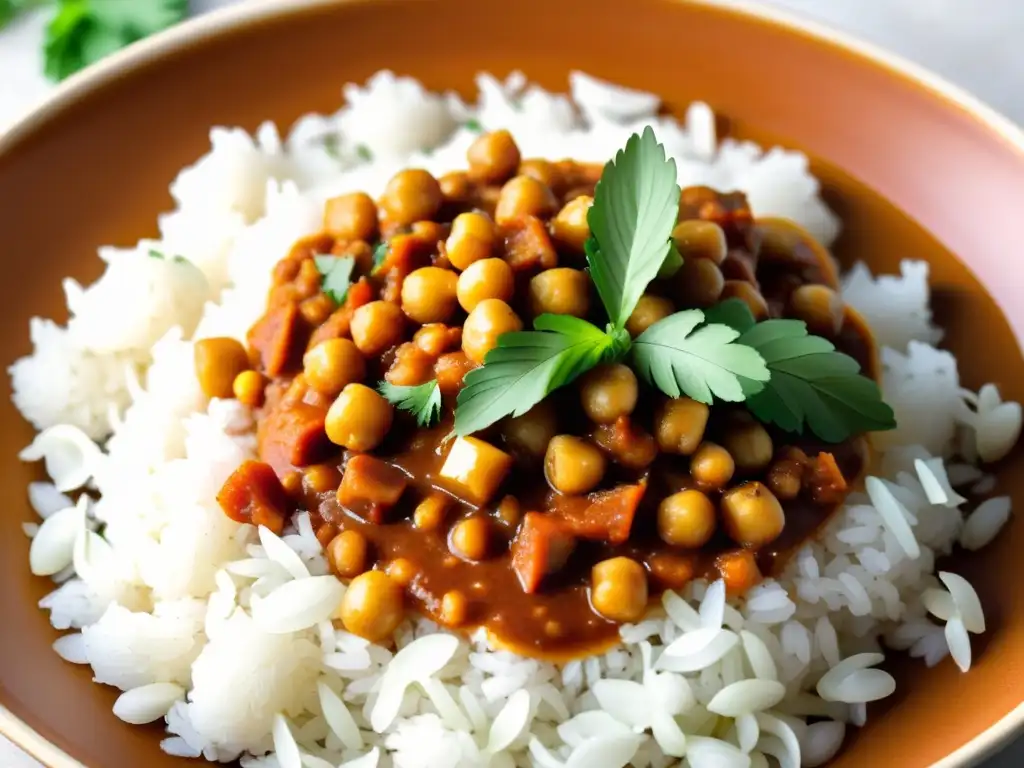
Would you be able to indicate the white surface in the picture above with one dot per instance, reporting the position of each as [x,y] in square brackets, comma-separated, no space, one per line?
[975,45]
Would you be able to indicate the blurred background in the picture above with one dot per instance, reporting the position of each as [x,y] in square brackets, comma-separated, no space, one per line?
[975,44]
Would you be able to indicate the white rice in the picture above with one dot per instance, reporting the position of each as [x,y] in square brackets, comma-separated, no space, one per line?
[226,633]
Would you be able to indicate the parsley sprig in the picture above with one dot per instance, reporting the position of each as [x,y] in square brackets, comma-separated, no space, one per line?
[811,384]
[82,32]
[636,203]
[422,401]
[336,272]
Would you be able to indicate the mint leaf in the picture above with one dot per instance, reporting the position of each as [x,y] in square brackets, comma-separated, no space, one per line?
[812,385]
[681,359]
[525,367]
[337,275]
[636,204]
[422,401]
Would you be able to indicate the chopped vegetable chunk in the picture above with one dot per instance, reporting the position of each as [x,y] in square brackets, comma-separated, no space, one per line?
[254,494]
[474,469]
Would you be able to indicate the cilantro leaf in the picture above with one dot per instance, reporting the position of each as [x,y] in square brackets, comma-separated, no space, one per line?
[635,207]
[813,385]
[84,31]
[680,358]
[379,254]
[337,275]
[473,125]
[11,8]
[422,401]
[525,367]
[732,312]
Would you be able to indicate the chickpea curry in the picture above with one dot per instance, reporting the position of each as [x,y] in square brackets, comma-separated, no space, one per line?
[670,417]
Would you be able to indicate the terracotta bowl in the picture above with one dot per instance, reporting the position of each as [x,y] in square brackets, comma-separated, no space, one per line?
[914,168]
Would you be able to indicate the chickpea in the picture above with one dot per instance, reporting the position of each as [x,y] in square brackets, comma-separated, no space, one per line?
[347,554]
[316,309]
[454,608]
[351,217]
[698,283]
[429,513]
[752,515]
[570,227]
[524,196]
[818,306]
[218,361]
[377,326]
[542,171]
[785,479]
[560,291]
[248,388]
[485,279]
[412,195]
[529,434]
[686,519]
[697,239]
[493,157]
[434,339]
[712,466]
[333,364]
[292,482]
[649,310]
[573,465]
[428,295]
[359,418]
[472,238]
[679,425]
[750,445]
[321,478]
[744,291]
[608,392]
[618,589]
[455,186]
[401,570]
[488,320]
[470,538]
[372,606]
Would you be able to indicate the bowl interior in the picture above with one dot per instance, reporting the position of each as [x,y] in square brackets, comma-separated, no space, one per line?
[912,175]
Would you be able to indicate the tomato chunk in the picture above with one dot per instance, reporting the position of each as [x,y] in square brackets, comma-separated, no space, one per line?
[371,487]
[293,435]
[273,339]
[541,547]
[254,494]
[528,245]
[608,516]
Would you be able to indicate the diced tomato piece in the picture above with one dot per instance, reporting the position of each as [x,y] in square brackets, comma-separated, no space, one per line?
[528,245]
[254,494]
[670,570]
[371,487]
[273,339]
[628,444]
[828,486]
[541,547]
[293,435]
[608,516]
[739,570]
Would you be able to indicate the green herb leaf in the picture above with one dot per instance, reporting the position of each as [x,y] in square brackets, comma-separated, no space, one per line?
[84,31]
[636,204]
[681,359]
[155,254]
[379,254]
[11,8]
[814,385]
[525,367]
[672,263]
[337,275]
[732,312]
[364,152]
[422,401]
[474,125]
[332,146]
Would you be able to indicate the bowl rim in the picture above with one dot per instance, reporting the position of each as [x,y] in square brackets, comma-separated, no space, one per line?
[212,23]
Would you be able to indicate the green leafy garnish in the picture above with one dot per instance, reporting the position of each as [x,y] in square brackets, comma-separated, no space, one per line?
[337,275]
[364,152]
[11,8]
[636,203]
[473,125]
[681,359]
[379,254]
[332,146]
[811,383]
[422,401]
[84,31]
[526,367]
